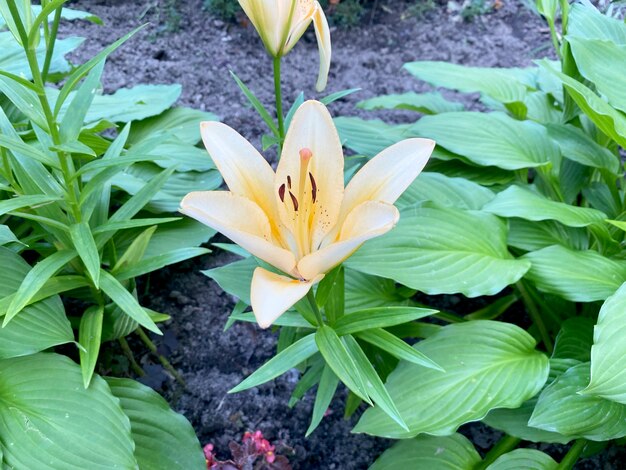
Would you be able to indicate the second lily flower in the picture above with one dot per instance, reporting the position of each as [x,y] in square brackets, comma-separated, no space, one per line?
[281,23]
[300,219]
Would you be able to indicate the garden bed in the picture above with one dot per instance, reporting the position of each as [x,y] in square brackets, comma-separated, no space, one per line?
[199,56]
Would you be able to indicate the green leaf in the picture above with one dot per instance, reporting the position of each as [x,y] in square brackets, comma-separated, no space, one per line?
[491,139]
[135,252]
[579,147]
[528,459]
[47,408]
[374,386]
[235,278]
[393,345]
[381,317]
[603,63]
[125,301]
[35,280]
[487,365]
[24,99]
[563,409]
[325,393]
[153,263]
[586,21]
[87,250]
[531,236]
[40,326]
[428,252]
[426,103]
[89,337]
[7,236]
[287,359]
[518,202]
[608,375]
[370,137]
[340,361]
[483,175]
[20,202]
[574,339]
[164,440]
[16,144]
[458,193]
[363,291]
[498,84]
[580,276]
[454,452]
[288,318]
[256,104]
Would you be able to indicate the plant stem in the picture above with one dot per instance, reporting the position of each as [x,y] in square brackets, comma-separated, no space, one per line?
[311,298]
[129,354]
[162,359]
[573,454]
[535,315]
[555,39]
[50,42]
[279,101]
[504,445]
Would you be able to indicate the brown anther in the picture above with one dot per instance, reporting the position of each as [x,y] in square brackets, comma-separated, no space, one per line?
[306,154]
[313,187]
[281,192]
[294,201]
[289,181]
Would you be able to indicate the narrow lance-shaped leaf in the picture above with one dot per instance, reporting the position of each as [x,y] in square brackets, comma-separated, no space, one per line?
[87,250]
[379,318]
[325,392]
[89,337]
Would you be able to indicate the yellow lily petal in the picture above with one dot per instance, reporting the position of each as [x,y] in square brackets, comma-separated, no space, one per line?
[322,33]
[312,130]
[269,18]
[386,176]
[272,295]
[302,16]
[241,220]
[368,220]
[243,168]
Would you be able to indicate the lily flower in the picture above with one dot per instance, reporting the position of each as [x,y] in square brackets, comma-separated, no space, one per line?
[281,23]
[300,219]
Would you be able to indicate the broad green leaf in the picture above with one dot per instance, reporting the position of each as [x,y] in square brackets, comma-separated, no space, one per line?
[483,175]
[532,235]
[393,345]
[563,409]
[41,325]
[164,440]
[608,374]
[525,204]
[174,152]
[585,21]
[454,452]
[428,252]
[135,252]
[341,362]
[487,365]
[235,278]
[579,147]
[184,123]
[528,459]
[89,337]
[287,359]
[35,280]
[580,276]
[20,202]
[70,14]
[87,250]
[426,103]
[574,339]
[325,392]
[456,193]
[374,386]
[363,291]
[126,301]
[381,317]
[370,137]
[128,104]
[45,407]
[496,83]
[491,139]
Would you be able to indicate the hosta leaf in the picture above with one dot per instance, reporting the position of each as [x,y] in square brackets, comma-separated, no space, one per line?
[487,365]
[587,22]
[454,452]
[370,137]
[45,407]
[456,193]
[428,252]
[533,235]
[518,202]
[575,339]
[364,291]
[579,147]
[164,440]
[491,139]
[581,276]
[40,325]
[528,459]
[426,103]
[483,175]
[608,354]
[184,123]
[563,409]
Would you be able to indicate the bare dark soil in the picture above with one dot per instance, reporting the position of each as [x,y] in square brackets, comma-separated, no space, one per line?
[199,56]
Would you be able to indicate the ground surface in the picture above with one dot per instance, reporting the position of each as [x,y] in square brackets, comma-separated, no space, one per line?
[199,56]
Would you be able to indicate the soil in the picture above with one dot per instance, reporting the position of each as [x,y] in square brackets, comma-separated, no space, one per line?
[199,55]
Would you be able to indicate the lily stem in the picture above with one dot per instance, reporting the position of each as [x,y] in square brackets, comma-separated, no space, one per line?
[311,298]
[162,359]
[504,445]
[535,315]
[573,454]
[279,101]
